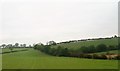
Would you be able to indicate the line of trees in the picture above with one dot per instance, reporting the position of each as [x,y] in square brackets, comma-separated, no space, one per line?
[16,45]
[82,52]
[115,36]
[99,48]
[59,51]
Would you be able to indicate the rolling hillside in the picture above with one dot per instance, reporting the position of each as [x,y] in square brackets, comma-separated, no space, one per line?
[34,59]
[75,45]
[113,51]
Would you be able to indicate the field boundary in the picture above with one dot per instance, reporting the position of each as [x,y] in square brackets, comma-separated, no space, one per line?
[14,51]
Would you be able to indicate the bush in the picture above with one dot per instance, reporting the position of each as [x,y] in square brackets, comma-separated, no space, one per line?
[91,49]
[101,47]
[84,49]
[112,47]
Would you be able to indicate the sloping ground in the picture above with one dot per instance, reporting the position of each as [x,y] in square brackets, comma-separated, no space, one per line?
[33,59]
[0,59]
[5,50]
[113,41]
[113,52]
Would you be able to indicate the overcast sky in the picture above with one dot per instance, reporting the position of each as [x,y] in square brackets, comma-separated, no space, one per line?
[33,21]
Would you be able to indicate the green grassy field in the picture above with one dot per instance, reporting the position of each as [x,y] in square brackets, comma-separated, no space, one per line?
[33,59]
[113,41]
[8,50]
[0,59]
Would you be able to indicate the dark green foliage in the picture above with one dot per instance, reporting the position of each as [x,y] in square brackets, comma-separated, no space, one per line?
[60,51]
[83,52]
[101,47]
[119,46]
[91,49]
[64,52]
[52,51]
[112,47]
[84,49]
[46,49]
[51,43]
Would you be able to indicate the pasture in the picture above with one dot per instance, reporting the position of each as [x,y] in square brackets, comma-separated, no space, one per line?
[34,59]
[113,51]
[76,45]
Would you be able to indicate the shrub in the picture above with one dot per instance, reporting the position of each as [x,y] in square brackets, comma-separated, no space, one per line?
[84,49]
[101,47]
[91,49]
[111,47]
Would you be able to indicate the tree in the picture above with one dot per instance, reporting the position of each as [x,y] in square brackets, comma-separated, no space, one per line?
[3,45]
[21,45]
[24,45]
[119,46]
[38,47]
[91,49]
[9,45]
[115,36]
[65,52]
[111,47]
[58,51]
[16,44]
[51,43]
[101,47]
[52,51]
[46,49]
[30,46]
[84,49]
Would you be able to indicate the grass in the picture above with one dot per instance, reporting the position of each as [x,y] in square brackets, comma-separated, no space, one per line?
[76,45]
[113,51]
[34,59]
[16,49]
[0,59]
